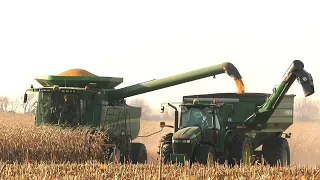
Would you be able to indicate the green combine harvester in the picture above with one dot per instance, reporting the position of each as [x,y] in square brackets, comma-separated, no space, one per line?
[90,100]
[230,127]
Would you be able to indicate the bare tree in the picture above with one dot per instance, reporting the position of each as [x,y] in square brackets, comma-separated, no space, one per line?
[29,106]
[15,104]
[4,101]
[306,110]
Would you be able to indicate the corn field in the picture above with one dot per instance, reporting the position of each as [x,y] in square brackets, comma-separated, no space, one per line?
[28,152]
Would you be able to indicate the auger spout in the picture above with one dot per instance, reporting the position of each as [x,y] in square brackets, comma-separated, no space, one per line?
[153,85]
[295,71]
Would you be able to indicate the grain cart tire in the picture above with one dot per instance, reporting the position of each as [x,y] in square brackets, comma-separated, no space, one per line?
[205,154]
[138,153]
[166,148]
[276,150]
[241,151]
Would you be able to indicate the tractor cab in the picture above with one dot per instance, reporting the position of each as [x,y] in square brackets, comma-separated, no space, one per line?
[201,115]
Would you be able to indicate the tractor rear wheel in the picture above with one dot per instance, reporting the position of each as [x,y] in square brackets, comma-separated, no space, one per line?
[166,149]
[241,150]
[205,154]
[276,150]
[138,153]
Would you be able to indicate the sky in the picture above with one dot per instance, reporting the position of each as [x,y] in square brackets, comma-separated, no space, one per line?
[144,40]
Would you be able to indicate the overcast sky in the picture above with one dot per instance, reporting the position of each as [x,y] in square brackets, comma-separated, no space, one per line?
[144,40]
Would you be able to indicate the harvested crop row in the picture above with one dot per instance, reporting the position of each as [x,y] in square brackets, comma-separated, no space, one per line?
[150,171]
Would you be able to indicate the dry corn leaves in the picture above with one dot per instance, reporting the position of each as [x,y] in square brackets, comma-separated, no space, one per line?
[94,170]
[25,143]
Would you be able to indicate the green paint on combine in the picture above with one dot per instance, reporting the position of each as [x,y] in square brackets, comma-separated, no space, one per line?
[79,98]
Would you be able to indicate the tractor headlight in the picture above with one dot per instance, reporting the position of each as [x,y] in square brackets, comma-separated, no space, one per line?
[188,141]
[176,141]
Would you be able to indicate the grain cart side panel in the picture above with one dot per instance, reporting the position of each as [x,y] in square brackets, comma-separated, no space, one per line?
[282,117]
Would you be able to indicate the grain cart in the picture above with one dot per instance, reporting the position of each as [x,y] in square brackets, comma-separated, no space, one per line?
[93,101]
[229,127]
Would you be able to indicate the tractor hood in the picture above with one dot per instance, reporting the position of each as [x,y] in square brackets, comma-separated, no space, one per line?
[187,133]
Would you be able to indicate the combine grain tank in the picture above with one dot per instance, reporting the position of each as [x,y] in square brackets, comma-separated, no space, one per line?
[80,98]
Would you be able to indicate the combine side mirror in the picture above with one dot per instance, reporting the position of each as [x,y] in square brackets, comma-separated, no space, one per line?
[25,97]
[162,124]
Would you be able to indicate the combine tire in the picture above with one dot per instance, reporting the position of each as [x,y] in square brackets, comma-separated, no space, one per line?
[166,148]
[276,150]
[205,154]
[241,151]
[138,153]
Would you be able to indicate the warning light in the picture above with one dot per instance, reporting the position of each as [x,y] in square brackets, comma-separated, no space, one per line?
[214,101]
[86,87]
[31,86]
[181,106]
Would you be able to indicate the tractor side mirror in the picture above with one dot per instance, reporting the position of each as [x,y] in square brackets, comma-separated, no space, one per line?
[162,124]
[25,98]
[162,109]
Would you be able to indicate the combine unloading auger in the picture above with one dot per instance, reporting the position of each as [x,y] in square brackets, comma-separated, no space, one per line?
[297,72]
[156,84]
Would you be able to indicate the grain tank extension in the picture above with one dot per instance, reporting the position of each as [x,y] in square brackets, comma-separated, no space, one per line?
[230,127]
[80,98]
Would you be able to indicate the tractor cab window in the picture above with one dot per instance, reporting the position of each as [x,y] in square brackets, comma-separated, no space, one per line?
[61,108]
[196,117]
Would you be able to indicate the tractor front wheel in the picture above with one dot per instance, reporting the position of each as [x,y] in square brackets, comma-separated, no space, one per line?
[165,147]
[205,154]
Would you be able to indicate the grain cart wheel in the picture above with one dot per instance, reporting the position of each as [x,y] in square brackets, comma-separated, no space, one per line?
[166,149]
[205,154]
[276,150]
[241,150]
[138,153]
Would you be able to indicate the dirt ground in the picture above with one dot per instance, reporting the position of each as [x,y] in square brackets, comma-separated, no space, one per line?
[304,142]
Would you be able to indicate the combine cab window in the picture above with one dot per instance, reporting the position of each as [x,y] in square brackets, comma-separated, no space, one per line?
[61,108]
[196,117]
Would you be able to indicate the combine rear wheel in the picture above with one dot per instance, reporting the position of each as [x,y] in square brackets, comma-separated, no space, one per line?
[205,154]
[241,150]
[138,153]
[276,150]
[166,149]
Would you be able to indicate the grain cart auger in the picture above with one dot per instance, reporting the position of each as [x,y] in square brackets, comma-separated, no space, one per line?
[79,98]
[230,127]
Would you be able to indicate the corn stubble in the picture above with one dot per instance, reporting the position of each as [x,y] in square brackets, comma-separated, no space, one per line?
[28,152]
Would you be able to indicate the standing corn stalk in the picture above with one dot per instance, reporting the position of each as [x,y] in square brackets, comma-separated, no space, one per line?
[160,163]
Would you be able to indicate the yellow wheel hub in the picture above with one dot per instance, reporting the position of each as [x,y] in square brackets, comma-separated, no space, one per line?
[246,155]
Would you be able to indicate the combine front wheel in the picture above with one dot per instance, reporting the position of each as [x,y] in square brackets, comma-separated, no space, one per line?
[138,153]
